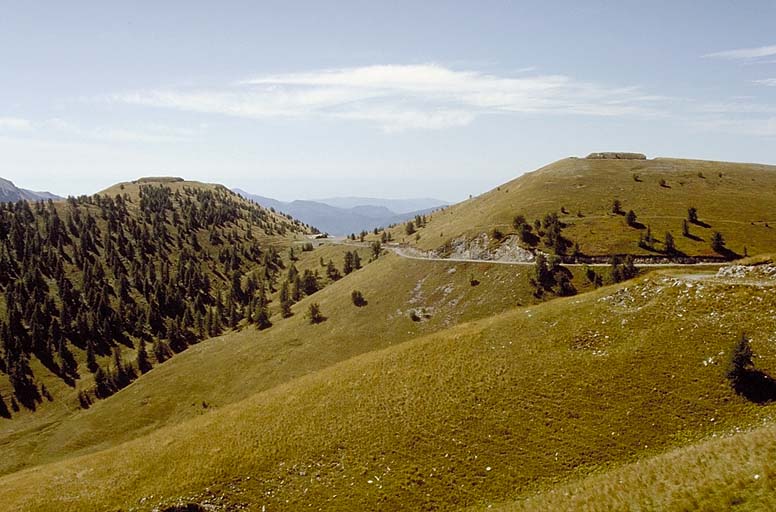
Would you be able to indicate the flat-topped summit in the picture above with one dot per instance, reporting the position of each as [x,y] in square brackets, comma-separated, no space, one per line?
[616,155]
[159,179]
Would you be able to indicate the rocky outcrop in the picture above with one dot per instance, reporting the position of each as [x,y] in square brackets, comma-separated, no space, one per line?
[483,248]
[616,156]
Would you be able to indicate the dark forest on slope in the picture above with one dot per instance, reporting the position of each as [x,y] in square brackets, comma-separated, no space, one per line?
[111,285]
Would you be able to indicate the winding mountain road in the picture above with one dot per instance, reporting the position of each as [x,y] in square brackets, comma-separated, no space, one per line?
[407,253]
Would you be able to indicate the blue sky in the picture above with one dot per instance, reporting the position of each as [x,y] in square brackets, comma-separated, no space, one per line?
[391,99]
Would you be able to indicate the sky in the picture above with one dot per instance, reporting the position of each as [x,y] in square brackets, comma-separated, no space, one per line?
[399,99]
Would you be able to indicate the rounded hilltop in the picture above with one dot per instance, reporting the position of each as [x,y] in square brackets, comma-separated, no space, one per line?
[616,155]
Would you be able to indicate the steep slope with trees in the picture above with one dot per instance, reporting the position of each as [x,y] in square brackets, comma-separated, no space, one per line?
[98,289]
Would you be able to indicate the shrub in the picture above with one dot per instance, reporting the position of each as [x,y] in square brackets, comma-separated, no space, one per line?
[358,298]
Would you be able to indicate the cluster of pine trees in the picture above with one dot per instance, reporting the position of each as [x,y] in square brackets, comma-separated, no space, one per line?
[92,280]
[299,285]
[549,230]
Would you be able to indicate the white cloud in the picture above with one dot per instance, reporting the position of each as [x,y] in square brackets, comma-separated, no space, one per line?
[15,124]
[770,82]
[744,53]
[145,134]
[400,97]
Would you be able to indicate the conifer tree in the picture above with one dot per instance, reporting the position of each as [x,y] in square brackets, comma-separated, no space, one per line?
[143,364]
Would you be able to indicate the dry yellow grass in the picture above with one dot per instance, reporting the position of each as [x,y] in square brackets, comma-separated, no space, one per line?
[484,412]
[734,472]
[232,367]
[738,200]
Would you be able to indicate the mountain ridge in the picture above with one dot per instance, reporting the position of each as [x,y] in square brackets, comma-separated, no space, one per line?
[337,220]
[10,193]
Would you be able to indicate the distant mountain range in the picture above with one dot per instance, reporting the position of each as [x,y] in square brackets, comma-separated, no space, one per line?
[345,215]
[10,193]
[398,206]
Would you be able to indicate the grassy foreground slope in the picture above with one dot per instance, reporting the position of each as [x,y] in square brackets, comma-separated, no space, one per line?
[481,413]
[229,368]
[738,200]
[729,473]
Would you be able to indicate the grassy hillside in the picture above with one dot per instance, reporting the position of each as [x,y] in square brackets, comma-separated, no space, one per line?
[229,368]
[731,472]
[483,412]
[737,200]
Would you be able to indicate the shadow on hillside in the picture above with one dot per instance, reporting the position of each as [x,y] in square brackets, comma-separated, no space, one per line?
[757,387]
[693,237]
[189,507]
[728,254]
[701,223]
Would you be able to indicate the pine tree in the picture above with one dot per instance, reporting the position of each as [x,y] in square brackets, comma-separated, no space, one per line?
[740,362]
[285,301]
[670,246]
[91,361]
[314,313]
[262,317]
[718,242]
[332,272]
[347,266]
[143,364]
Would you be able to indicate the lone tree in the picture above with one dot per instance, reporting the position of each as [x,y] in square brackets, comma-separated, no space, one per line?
[670,246]
[740,362]
[410,228]
[630,218]
[692,215]
[314,313]
[617,207]
[718,242]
